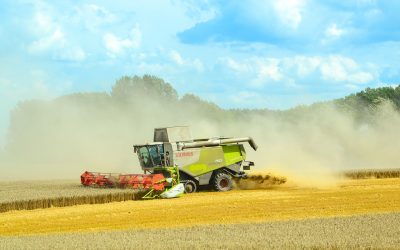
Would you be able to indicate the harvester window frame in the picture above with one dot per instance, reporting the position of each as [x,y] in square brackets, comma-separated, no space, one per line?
[154,154]
[161,153]
[141,151]
[155,158]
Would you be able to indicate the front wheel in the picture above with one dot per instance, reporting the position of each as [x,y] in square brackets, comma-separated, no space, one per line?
[190,186]
[222,182]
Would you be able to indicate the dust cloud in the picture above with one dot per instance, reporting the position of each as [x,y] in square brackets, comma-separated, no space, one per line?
[315,148]
[61,138]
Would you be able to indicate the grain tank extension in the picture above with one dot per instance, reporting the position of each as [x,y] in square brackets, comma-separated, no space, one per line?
[211,162]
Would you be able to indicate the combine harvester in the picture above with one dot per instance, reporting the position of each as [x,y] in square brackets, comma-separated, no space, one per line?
[175,163]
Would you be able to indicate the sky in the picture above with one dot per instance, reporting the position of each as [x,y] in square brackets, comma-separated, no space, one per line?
[238,54]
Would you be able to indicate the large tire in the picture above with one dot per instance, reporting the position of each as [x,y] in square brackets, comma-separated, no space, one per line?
[222,182]
[190,186]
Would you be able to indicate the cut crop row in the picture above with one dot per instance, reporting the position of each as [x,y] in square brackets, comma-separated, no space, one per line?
[372,173]
[67,201]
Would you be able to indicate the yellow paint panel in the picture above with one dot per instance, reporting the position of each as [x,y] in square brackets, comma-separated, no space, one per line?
[232,154]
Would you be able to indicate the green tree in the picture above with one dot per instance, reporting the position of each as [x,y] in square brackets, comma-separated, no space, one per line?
[138,88]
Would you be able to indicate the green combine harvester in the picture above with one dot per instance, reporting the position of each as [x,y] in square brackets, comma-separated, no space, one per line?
[210,162]
[175,163]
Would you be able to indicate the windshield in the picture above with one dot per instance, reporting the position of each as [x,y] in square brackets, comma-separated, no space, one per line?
[150,156]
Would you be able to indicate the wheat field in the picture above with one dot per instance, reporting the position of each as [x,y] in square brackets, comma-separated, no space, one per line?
[372,173]
[357,197]
[357,214]
[375,231]
[27,195]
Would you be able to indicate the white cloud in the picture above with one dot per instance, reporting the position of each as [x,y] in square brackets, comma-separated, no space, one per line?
[93,16]
[289,71]
[199,12]
[333,69]
[269,69]
[48,27]
[116,46]
[361,77]
[43,22]
[198,64]
[73,54]
[260,70]
[263,70]
[305,65]
[176,57]
[236,66]
[289,12]
[57,45]
[343,69]
[55,39]
[334,31]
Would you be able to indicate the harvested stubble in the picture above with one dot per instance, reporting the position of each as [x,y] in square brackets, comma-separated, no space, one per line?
[30,195]
[353,197]
[375,231]
[373,173]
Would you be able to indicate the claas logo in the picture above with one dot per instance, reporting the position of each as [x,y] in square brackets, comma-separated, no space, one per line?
[184,154]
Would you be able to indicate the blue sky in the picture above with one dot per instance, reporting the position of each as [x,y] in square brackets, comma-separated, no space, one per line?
[253,54]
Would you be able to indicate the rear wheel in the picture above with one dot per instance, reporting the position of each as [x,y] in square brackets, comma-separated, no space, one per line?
[222,182]
[190,186]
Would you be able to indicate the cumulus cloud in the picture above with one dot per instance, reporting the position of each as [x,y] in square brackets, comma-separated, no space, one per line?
[268,70]
[343,69]
[265,46]
[54,39]
[50,38]
[334,31]
[260,70]
[43,22]
[58,46]
[177,58]
[291,23]
[116,46]
[305,65]
[237,66]
[290,70]
[289,12]
[93,16]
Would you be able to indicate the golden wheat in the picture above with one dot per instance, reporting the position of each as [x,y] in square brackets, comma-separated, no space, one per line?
[372,173]
[378,231]
[355,197]
[27,195]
